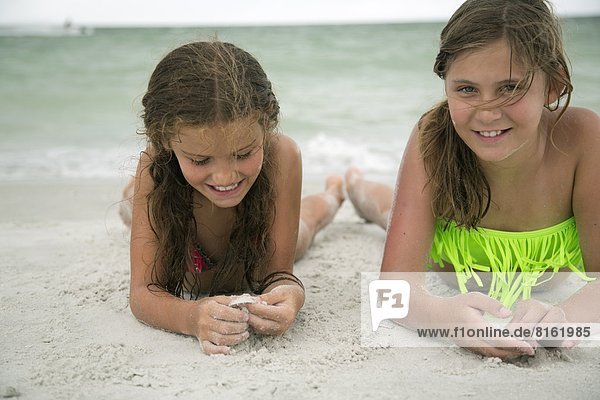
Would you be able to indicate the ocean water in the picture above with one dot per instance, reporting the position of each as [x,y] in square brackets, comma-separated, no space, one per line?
[349,94]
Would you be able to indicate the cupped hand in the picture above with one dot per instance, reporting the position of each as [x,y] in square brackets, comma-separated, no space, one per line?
[218,326]
[277,315]
[467,310]
[541,317]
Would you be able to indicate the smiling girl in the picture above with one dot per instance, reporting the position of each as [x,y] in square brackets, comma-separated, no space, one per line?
[216,201]
[501,178]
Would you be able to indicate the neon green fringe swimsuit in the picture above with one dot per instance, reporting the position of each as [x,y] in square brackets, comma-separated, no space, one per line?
[505,254]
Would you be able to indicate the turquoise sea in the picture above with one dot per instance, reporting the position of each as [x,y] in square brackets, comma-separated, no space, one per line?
[349,94]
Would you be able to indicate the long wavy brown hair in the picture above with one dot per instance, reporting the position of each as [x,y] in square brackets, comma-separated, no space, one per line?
[461,191]
[203,84]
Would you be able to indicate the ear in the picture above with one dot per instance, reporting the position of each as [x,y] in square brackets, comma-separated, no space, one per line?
[555,89]
[553,95]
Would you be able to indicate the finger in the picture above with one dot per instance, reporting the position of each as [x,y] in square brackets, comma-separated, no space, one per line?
[502,349]
[554,316]
[500,352]
[486,304]
[514,342]
[225,313]
[211,348]
[224,300]
[281,315]
[530,311]
[515,346]
[550,324]
[227,340]
[278,294]
[519,312]
[227,327]
[265,311]
[266,326]
[508,345]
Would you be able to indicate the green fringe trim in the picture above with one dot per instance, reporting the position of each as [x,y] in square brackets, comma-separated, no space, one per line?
[506,255]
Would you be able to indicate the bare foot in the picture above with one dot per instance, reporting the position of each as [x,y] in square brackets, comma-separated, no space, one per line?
[334,186]
[126,204]
[371,200]
[353,177]
[317,211]
[353,174]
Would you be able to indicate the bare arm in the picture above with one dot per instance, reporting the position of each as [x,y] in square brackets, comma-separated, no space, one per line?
[214,323]
[155,308]
[288,184]
[411,226]
[285,298]
[584,306]
[582,127]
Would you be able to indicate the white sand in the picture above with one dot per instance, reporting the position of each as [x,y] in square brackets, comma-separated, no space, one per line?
[67,331]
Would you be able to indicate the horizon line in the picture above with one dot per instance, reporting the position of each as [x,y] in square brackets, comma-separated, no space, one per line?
[69,23]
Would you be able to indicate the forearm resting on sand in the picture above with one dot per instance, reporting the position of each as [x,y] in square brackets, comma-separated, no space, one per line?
[211,320]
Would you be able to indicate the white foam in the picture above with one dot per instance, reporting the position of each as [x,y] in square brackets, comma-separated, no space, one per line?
[322,155]
[66,162]
[325,155]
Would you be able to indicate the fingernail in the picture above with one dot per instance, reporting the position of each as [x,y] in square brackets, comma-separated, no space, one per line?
[527,350]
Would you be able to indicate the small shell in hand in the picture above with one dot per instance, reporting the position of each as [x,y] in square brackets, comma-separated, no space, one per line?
[239,301]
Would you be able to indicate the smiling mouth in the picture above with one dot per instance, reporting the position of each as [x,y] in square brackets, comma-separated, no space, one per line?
[224,189]
[492,134]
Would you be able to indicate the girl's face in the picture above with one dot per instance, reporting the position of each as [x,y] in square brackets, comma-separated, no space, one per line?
[478,85]
[222,161]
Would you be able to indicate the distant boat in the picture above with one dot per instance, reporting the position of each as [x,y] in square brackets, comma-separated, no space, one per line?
[66,29]
[71,29]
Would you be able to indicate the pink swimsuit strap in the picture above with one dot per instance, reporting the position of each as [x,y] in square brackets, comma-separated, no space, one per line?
[200,260]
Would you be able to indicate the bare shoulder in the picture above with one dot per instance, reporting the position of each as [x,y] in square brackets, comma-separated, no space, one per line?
[285,146]
[579,129]
[585,121]
[287,152]
[143,180]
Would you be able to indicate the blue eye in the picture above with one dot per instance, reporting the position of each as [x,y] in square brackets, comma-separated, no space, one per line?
[510,88]
[466,89]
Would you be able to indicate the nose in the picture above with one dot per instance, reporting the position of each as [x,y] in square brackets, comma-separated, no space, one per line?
[224,173]
[488,113]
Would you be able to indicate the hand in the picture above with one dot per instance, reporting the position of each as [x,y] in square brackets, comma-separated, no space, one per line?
[533,312]
[468,309]
[282,305]
[218,326]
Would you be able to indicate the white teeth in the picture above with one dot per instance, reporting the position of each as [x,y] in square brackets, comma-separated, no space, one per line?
[489,133]
[226,188]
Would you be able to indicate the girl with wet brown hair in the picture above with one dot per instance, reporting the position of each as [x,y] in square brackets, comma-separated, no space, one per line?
[498,180]
[216,207]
